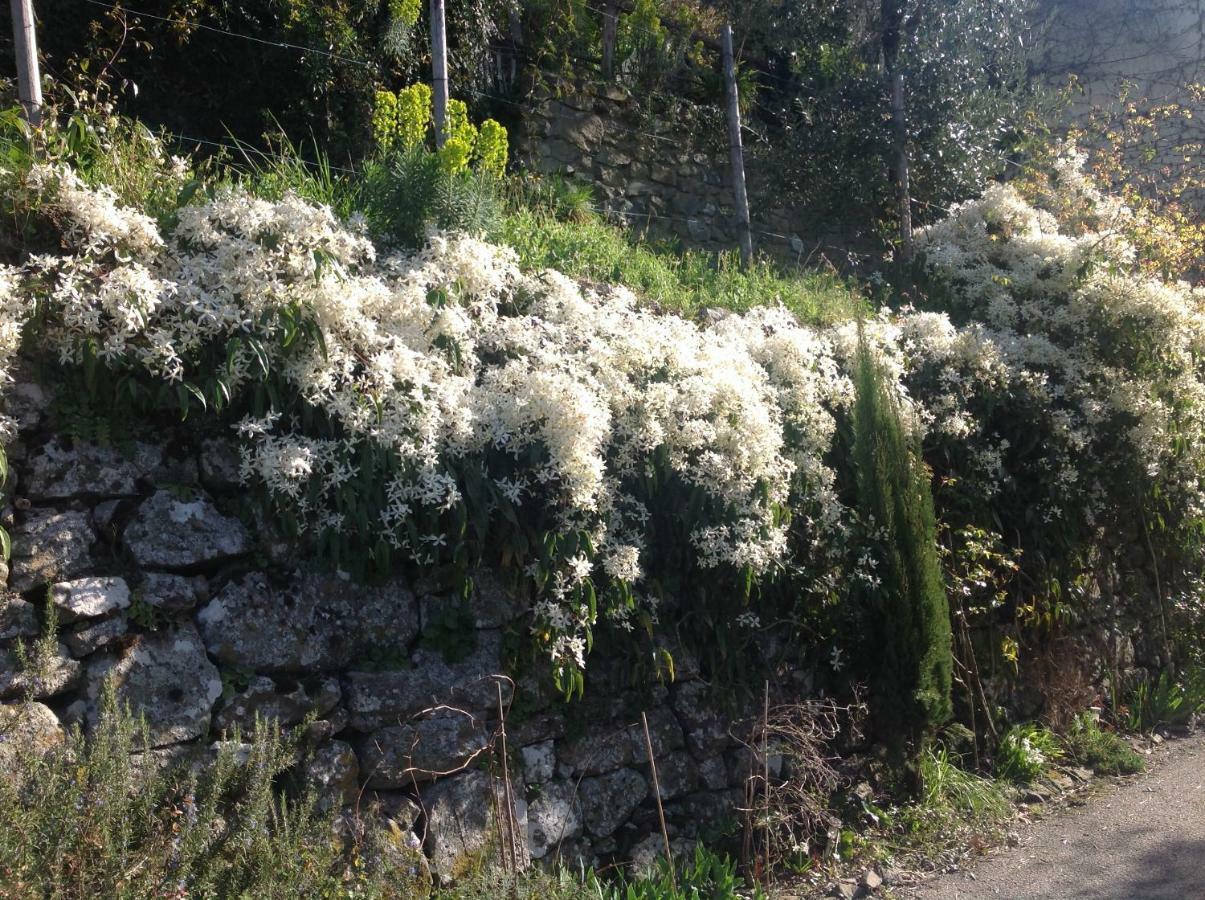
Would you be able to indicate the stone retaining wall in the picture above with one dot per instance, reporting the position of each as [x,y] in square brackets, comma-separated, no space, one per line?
[661,176]
[161,580]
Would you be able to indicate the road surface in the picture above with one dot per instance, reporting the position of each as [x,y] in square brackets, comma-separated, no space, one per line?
[1143,839]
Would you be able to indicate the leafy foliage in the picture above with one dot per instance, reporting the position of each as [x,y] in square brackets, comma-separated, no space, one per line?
[1025,752]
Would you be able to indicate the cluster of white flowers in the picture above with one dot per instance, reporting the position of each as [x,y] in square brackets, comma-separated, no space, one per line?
[570,398]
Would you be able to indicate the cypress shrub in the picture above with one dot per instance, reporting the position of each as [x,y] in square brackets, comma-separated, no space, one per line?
[907,611]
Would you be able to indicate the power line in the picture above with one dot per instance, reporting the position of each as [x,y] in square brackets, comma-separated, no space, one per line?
[246,37]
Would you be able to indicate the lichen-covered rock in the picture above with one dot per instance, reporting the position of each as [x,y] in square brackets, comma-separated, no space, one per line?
[165,677]
[608,800]
[552,818]
[26,402]
[26,728]
[219,464]
[539,762]
[648,853]
[60,472]
[375,699]
[172,593]
[262,698]
[90,597]
[317,622]
[92,636]
[706,733]
[605,750]
[49,546]
[416,752]
[18,618]
[169,533]
[462,830]
[42,677]
[334,774]
[677,774]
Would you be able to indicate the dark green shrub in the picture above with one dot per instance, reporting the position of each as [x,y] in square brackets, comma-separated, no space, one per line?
[908,615]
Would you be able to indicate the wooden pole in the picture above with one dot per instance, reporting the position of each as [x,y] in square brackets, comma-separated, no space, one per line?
[669,855]
[439,70]
[902,164]
[25,48]
[736,152]
[610,27]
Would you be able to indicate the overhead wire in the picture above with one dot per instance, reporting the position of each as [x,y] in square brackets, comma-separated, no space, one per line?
[301,48]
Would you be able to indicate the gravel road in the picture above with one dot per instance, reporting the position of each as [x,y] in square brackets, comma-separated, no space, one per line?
[1143,839]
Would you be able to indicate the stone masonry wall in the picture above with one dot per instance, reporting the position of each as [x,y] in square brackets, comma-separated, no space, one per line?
[661,176]
[161,580]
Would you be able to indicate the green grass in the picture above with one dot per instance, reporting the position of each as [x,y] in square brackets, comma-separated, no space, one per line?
[679,281]
[1102,751]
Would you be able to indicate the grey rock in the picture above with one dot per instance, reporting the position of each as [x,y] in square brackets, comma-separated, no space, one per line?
[677,775]
[698,230]
[167,678]
[489,604]
[416,752]
[608,800]
[18,618]
[172,593]
[695,812]
[89,597]
[461,827]
[395,807]
[27,402]
[92,636]
[263,699]
[871,880]
[649,853]
[103,516]
[26,728]
[318,622]
[59,472]
[375,699]
[49,546]
[539,762]
[169,533]
[604,751]
[552,818]
[220,464]
[713,774]
[45,678]
[334,774]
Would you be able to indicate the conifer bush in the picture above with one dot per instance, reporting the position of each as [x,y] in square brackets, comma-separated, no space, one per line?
[908,610]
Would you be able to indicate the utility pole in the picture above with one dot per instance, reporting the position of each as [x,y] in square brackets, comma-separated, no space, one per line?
[439,70]
[25,47]
[896,27]
[610,26]
[736,152]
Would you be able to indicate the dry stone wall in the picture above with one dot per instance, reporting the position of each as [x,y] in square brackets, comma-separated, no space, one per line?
[161,580]
[665,177]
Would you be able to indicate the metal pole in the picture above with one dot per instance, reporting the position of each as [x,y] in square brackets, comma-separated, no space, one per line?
[25,47]
[736,152]
[439,69]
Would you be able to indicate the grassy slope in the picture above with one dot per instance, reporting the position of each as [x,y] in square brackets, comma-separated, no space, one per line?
[681,281]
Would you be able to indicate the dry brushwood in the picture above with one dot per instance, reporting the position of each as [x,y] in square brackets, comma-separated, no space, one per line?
[791,780]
